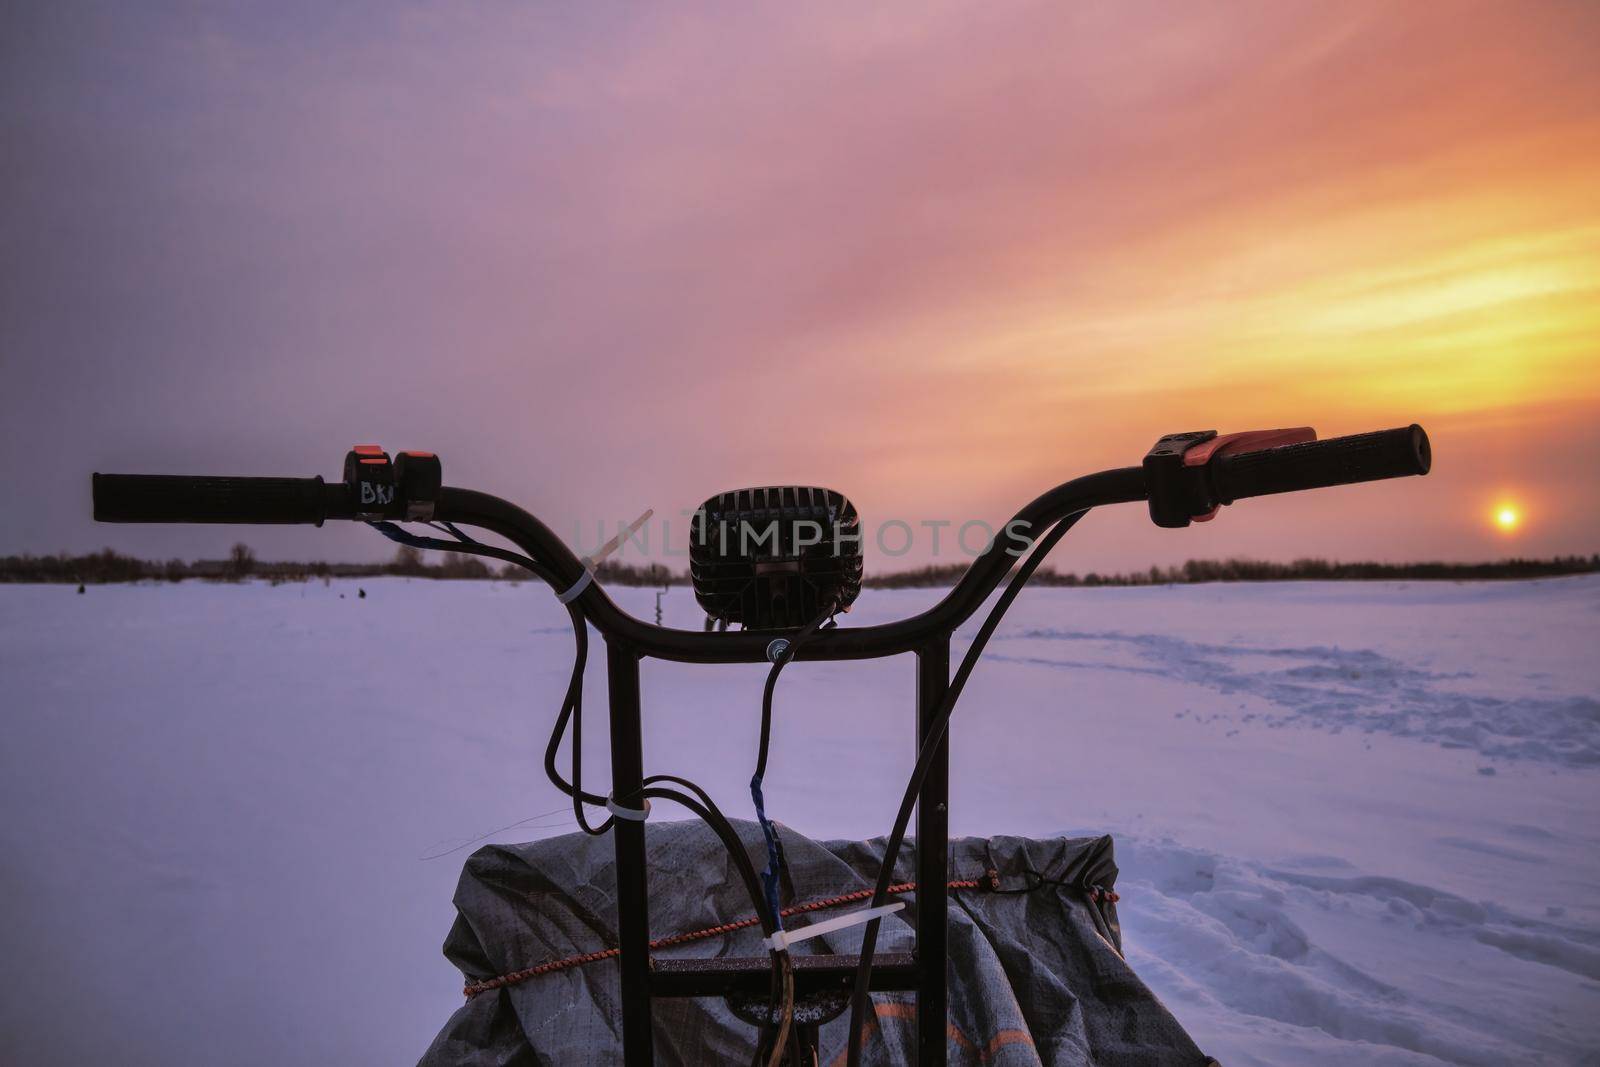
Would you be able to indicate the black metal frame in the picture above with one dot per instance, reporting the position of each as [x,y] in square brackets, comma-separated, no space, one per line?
[926,636]
[1184,478]
[923,971]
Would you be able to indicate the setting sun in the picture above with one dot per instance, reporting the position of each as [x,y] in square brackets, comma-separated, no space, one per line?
[1507,518]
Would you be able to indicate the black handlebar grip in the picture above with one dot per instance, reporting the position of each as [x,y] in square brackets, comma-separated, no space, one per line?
[173,498]
[1362,457]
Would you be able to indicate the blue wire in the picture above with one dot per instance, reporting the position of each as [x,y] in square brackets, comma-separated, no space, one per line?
[775,861]
[406,537]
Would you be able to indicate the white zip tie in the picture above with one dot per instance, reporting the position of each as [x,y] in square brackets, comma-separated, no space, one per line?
[780,941]
[631,814]
[575,590]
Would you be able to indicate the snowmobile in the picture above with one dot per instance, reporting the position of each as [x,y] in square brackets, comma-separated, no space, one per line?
[773,568]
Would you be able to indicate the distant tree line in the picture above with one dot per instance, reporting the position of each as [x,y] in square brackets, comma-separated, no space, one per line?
[408,562]
[111,566]
[1251,570]
[1322,570]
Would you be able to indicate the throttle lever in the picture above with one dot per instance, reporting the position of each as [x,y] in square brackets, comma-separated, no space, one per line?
[1232,444]
[1179,492]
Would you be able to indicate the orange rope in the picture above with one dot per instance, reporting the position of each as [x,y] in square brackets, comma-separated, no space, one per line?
[517,977]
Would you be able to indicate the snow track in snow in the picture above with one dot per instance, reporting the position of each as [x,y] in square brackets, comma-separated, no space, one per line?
[1287,953]
[1358,688]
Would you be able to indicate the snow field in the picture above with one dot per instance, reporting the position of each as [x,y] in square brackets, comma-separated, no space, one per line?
[1356,822]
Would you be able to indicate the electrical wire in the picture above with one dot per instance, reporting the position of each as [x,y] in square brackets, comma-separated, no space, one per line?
[782,968]
[775,860]
[786,1027]
[937,728]
[700,804]
[572,704]
[762,895]
[572,710]
[771,877]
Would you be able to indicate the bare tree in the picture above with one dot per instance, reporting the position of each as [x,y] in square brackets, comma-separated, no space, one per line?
[241,561]
[407,560]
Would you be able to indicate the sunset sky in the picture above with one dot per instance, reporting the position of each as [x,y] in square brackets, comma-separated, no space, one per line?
[937,256]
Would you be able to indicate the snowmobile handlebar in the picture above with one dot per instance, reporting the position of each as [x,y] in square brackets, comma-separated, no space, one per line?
[1184,478]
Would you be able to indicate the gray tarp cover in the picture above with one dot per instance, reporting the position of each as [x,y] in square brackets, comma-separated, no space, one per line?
[1035,977]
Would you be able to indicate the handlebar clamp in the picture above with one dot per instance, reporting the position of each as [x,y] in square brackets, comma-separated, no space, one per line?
[1178,492]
